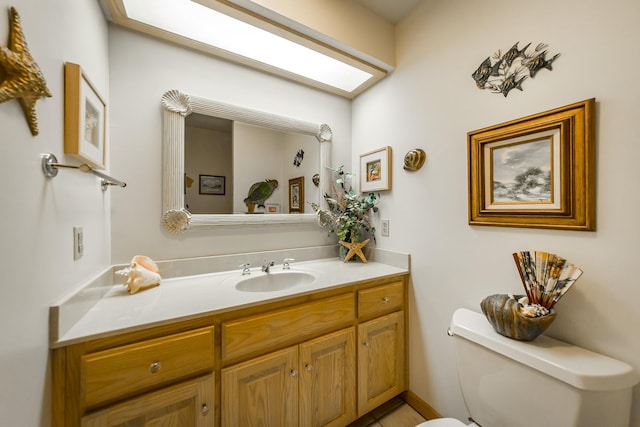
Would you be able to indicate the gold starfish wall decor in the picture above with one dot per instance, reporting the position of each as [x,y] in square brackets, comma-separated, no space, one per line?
[23,79]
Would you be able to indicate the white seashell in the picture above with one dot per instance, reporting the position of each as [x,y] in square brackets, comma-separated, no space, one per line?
[137,277]
[178,102]
[146,262]
[324,133]
[176,220]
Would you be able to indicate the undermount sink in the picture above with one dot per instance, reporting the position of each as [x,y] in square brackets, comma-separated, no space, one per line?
[275,281]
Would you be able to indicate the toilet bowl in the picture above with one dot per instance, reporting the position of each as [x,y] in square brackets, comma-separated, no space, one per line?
[502,379]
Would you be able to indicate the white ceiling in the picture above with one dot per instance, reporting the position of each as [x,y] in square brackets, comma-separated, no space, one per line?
[392,10]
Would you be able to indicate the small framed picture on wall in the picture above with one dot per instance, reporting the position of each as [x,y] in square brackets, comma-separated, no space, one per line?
[212,184]
[296,195]
[85,118]
[375,170]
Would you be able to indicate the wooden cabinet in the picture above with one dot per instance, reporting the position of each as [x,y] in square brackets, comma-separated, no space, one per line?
[381,360]
[121,371]
[381,299]
[262,391]
[317,359]
[309,385]
[264,331]
[328,380]
[382,353]
[189,403]
[160,377]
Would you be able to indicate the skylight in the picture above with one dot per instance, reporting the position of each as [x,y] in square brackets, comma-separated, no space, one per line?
[205,25]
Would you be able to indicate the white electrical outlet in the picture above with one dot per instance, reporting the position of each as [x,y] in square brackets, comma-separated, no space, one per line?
[78,244]
[384,227]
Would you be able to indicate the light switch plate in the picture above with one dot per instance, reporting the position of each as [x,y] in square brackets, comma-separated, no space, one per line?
[78,243]
[384,225]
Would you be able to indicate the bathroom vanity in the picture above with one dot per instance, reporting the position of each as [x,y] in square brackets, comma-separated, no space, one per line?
[319,354]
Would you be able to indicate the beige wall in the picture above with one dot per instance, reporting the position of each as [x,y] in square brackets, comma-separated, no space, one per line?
[38,214]
[141,70]
[208,152]
[432,102]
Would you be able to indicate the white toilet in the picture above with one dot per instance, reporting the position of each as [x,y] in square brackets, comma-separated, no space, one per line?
[546,382]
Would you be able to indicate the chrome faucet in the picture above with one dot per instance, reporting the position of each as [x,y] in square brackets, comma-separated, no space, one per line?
[267,265]
[245,269]
[286,265]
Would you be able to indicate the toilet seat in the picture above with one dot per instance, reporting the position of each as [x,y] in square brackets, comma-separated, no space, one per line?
[445,422]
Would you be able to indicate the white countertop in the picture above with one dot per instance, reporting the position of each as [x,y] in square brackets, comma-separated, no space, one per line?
[181,298]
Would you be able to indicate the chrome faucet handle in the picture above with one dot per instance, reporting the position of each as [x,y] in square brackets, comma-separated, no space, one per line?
[267,265]
[245,269]
[286,263]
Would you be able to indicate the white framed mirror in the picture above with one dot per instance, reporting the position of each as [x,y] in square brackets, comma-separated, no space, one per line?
[176,218]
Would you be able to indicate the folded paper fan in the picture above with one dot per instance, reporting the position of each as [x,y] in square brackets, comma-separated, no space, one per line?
[546,277]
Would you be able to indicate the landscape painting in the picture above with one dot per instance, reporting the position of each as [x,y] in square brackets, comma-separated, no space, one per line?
[537,171]
[522,172]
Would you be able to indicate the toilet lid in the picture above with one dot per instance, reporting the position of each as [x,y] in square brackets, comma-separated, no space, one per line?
[444,422]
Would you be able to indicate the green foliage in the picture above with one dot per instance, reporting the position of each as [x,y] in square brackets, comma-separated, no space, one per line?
[348,214]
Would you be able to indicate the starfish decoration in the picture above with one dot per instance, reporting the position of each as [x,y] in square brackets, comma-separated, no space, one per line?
[23,78]
[355,249]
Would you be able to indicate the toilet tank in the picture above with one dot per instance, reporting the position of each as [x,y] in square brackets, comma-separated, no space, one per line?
[545,382]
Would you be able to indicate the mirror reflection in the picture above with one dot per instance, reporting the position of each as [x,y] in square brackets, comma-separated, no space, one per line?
[282,144]
[230,165]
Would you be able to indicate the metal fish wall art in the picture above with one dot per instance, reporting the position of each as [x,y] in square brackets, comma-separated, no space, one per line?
[501,73]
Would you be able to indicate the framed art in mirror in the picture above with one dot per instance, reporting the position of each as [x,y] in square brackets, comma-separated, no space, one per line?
[296,195]
[375,170]
[85,118]
[537,171]
[212,184]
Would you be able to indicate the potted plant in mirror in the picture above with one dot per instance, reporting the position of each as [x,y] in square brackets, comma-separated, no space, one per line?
[348,215]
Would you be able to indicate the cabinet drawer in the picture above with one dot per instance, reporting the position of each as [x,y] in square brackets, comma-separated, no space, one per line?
[264,331]
[115,373]
[381,299]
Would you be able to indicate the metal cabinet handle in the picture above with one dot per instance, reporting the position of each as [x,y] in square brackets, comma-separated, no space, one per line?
[155,366]
[366,344]
[205,409]
[308,367]
[385,300]
[293,373]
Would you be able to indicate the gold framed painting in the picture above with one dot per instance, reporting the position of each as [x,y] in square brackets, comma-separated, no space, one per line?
[536,172]
[296,195]
[85,118]
[375,170]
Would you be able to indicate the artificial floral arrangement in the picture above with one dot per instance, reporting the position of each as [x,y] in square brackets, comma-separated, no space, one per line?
[348,214]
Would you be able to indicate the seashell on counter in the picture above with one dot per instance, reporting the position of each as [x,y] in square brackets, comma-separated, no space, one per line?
[142,273]
[504,314]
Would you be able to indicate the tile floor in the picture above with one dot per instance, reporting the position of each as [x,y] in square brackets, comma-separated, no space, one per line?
[395,413]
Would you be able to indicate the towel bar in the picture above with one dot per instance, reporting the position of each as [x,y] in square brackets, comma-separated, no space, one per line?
[50,167]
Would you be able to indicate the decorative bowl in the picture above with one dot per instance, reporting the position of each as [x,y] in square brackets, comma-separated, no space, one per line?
[502,313]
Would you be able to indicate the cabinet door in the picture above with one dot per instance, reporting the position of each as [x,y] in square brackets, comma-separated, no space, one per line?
[262,391]
[381,361]
[189,403]
[327,380]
